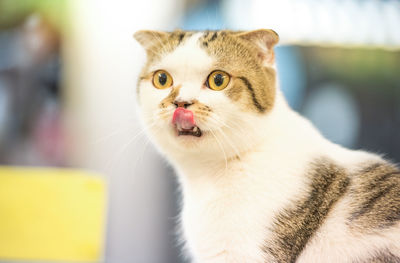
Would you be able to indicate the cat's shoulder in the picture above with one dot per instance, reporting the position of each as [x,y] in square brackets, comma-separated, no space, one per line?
[375,195]
[373,188]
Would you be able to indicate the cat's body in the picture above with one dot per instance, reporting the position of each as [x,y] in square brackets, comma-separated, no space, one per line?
[260,184]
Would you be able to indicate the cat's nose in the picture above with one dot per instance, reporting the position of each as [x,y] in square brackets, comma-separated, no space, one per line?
[183,104]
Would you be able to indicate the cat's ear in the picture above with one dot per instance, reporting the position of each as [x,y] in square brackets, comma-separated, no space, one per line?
[147,38]
[264,40]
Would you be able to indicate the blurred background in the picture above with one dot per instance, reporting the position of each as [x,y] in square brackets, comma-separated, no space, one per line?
[68,74]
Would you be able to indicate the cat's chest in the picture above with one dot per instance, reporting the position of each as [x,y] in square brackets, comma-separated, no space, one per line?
[230,230]
[231,223]
[229,215]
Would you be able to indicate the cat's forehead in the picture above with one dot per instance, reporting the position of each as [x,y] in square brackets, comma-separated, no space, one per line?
[188,53]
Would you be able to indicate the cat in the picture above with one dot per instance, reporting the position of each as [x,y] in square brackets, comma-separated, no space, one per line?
[259,182]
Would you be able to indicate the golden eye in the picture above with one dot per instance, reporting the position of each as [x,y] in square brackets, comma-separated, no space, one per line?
[218,80]
[162,79]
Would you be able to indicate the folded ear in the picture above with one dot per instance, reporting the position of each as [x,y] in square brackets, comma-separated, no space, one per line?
[147,38]
[264,40]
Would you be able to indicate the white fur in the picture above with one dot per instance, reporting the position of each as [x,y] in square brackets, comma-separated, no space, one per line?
[229,204]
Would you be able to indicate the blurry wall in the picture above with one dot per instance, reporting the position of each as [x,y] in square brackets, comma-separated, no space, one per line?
[102,62]
[30,110]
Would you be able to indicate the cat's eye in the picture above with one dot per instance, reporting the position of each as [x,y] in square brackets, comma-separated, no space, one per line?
[218,80]
[162,79]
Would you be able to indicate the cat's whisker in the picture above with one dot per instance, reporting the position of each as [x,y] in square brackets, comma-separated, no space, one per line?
[125,125]
[236,127]
[166,112]
[225,136]
[112,134]
[218,119]
[231,121]
[239,129]
[139,158]
[111,163]
[228,141]
[221,147]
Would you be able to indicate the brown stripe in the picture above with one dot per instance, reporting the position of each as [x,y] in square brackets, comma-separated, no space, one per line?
[213,37]
[384,256]
[372,168]
[253,95]
[376,197]
[382,178]
[180,37]
[367,206]
[294,227]
[170,98]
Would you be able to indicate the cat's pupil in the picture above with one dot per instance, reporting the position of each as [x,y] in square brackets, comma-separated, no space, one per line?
[218,79]
[162,78]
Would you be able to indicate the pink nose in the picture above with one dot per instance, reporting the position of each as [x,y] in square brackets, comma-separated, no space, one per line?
[183,118]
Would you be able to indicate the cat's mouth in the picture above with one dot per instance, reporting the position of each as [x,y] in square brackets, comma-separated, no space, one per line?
[184,123]
[194,131]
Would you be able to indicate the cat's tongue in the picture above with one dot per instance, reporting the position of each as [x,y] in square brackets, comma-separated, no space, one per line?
[183,118]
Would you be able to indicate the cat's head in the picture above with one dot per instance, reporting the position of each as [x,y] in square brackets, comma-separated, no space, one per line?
[206,91]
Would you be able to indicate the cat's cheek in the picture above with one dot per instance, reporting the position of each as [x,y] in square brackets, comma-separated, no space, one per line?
[150,98]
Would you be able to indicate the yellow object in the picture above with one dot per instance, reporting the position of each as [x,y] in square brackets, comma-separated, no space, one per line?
[51,215]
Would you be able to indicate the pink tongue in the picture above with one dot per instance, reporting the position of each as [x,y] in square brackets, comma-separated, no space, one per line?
[183,119]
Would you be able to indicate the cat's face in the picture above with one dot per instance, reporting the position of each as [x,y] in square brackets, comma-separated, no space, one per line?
[204,91]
